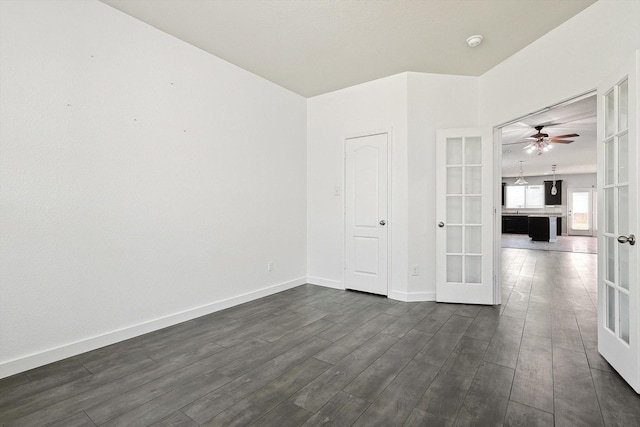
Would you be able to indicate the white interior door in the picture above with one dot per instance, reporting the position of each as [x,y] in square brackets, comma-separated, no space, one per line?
[465,215]
[580,212]
[366,213]
[618,289]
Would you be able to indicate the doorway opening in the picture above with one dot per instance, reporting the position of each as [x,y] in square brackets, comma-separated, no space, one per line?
[549,177]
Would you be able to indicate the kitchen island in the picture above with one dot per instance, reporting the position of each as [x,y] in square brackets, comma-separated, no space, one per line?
[540,227]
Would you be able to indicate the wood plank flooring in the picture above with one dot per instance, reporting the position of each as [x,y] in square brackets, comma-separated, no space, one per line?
[316,356]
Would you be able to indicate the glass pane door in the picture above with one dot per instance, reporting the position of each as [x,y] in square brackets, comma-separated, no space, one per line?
[464,243]
[616,191]
[618,256]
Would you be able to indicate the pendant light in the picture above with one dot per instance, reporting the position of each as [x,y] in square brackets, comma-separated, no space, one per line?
[521,180]
[554,189]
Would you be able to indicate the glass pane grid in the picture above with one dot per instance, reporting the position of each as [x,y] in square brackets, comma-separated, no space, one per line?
[616,188]
[609,112]
[464,166]
[623,105]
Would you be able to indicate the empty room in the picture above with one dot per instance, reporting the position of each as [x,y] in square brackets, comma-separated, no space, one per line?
[289,212]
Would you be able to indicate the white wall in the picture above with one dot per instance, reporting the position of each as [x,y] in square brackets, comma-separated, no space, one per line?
[144,181]
[435,102]
[413,106]
[370,107]
[567,61]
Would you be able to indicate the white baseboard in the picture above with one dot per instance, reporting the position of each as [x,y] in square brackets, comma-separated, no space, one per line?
[327,283]
[53,355]
[412,296]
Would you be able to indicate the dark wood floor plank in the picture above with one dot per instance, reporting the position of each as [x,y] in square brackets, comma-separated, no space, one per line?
[408,320]
[168,403]
[466,357]
[575,400]
[397,401]
[252,407]
[212,404]
[255,329]
[124,384]
[373,380]
[177,419]
[420,418]
[619,403]
[42,380]
[445,395]
[247,362]
[520,415]
[439,348]
[85,386]
[8,384]
[486,402]
[78,420]
[318,392]
[285,414]
[484,324]
[533,382]
[341,411]
[345,345]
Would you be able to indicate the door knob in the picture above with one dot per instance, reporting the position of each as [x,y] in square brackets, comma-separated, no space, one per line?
[441,224]
[383,222]
[630,239]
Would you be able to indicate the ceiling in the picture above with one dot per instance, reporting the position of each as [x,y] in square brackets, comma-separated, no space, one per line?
[317,46]
[578,157]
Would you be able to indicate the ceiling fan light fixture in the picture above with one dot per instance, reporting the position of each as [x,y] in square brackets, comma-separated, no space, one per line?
[474,40]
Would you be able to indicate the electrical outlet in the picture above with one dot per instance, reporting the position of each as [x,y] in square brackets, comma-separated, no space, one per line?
[414,270]
[270,266]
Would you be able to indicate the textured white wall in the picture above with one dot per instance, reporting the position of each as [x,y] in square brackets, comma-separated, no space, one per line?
[567,61]
[414,106]
[370,107]
[435,101]
[143,181]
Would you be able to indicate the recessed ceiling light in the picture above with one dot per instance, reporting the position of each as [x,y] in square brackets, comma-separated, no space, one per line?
[474,41]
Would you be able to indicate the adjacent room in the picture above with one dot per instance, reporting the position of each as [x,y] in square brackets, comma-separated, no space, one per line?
[549,179]
[319,212]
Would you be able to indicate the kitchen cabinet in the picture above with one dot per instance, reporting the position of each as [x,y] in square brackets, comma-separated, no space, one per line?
[550,199]
[515,224]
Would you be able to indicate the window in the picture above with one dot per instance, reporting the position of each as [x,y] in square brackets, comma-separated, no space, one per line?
[524,196]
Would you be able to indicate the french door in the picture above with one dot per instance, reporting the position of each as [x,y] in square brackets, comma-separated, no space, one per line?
[618,253]
[465,216]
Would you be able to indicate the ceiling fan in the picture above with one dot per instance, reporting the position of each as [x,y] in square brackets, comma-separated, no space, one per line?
[542,142]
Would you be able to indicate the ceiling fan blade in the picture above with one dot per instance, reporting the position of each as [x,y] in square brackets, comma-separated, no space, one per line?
[561,141]
[526,141]
[528,146]
[569,135]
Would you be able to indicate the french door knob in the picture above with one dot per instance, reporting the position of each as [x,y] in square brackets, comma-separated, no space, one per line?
[441,224]
[383,222]
[630,239]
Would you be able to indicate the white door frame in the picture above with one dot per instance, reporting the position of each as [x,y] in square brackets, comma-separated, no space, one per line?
[497,149]
[389,225]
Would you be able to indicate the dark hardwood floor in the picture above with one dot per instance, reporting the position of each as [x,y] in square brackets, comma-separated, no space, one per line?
[318,356]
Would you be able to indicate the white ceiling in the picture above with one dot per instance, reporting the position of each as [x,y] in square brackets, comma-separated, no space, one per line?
[316,46]
[578,157]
